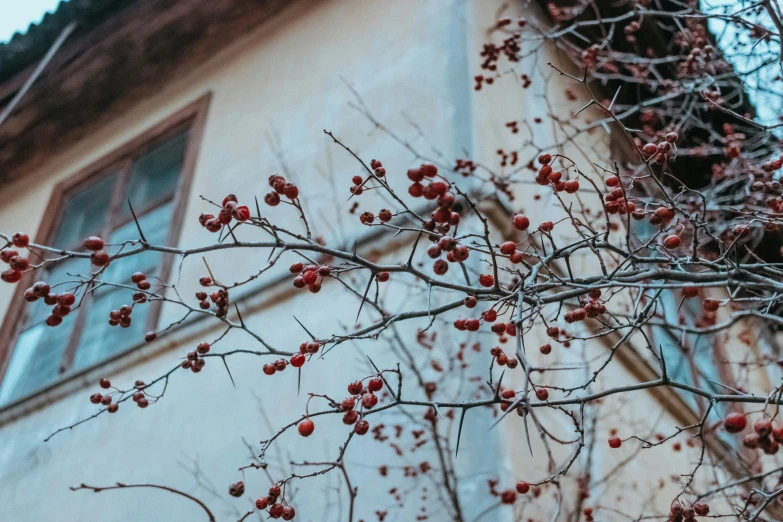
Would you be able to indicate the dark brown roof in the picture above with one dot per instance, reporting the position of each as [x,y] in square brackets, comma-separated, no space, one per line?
[26,48]
[121,52]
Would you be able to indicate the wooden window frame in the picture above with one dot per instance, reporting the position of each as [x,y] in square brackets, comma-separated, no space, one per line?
[191,118]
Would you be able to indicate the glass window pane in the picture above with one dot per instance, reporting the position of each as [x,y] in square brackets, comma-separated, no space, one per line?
[101,340]
[85,212]
[155,173]
[36,359]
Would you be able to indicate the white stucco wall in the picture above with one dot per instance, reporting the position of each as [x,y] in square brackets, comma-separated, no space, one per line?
[412,61]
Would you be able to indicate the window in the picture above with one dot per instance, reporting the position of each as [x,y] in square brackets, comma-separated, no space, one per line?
[148,175]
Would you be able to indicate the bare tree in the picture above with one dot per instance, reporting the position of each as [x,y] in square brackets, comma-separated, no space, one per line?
[675,233]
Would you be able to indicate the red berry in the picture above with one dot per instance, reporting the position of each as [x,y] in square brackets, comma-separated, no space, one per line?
[486,280]
[735,422]
[95,398]
[440,267]
[428,169]
[361,427]
[68,299]
[763,427]
[291,191]
[20,240]
[385,215]
[615,442]
[650,149]
[545,349]
[672,241]
[571,186]
[100,258]
[93,243]
[546,226]
[369,400]
[508,248]
[297,360]
[523,487]
[11,276]
[113,407]
[375,384]
[689,292]
[269,369]
[383,277]
[306,428]
[54,320]
[272,199]
[355,388]
[7,253]
[542,394]
[612,181]
[350,417]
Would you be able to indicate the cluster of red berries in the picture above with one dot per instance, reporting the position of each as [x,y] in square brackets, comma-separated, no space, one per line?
[61,304]
[140,279]
[193,360]
[280,188]
[358,183]
[121,317]
[590,55]
[630,31]
[680,513]
[106,400]
[502,359]
[765,436]
[591,307]
[310,276]
[491,53]
[455,253]
[231,209]
[297,360]
[17,264]
[661,152]
[616,200]
[434,190]
[99,256]
[367,218]
[465,167]
[366,397]
[276,509]
[139,397]
[509,248]
[546,176]
[220,297]
[734,141]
